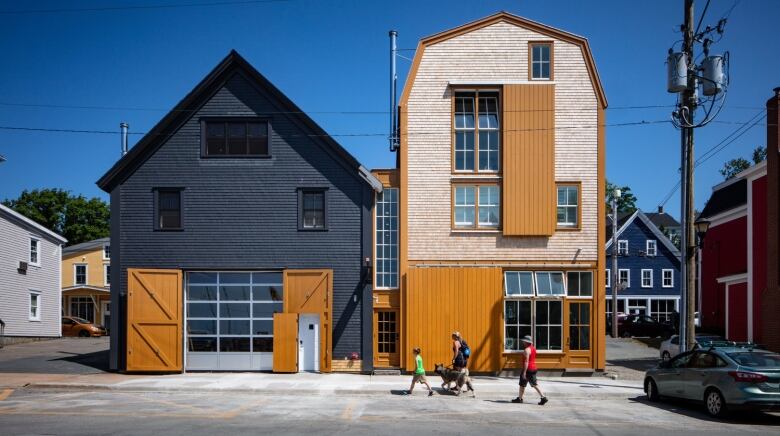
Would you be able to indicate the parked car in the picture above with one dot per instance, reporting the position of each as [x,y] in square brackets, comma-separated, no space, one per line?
[75,326]
[643,326]
[724,378]
[620,315]
[671,347]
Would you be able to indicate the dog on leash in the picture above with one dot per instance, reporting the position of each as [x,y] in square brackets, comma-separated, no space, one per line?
[449,376]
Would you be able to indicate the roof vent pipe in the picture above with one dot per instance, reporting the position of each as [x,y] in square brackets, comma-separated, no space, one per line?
[660,208]
[123,127]
[393,93]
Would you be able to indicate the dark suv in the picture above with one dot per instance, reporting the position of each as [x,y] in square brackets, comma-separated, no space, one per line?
[644,326]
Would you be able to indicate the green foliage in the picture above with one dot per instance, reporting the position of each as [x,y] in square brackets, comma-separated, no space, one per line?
[626,202]
[75,217]
[759,154]
[734,167]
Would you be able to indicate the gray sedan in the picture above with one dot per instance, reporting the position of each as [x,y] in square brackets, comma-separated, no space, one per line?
[723,378]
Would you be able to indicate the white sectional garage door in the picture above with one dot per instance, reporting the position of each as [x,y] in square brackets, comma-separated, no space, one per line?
[229,319]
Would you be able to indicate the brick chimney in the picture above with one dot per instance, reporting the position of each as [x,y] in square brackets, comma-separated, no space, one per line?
[770,301]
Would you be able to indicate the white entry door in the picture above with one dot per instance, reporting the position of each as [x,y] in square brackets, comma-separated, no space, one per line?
[309,343]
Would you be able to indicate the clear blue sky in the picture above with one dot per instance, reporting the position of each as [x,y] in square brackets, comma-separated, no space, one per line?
[333,56]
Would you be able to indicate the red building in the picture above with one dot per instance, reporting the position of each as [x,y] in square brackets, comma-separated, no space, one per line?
[739,292]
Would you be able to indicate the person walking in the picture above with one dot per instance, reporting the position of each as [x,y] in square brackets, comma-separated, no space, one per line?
[528,375]
[459,361]
[419,373]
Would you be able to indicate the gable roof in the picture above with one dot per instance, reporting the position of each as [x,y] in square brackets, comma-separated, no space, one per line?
[726,198]
[86,246]
[662,219]
[183,111]
[644,219]
[23,220]
[507,17]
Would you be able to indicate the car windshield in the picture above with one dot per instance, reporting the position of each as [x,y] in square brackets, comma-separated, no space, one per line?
[81,320]
[756,360]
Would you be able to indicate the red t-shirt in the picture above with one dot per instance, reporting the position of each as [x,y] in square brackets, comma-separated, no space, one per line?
[531,358]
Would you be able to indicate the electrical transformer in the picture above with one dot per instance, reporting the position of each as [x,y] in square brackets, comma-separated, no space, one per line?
[677,72]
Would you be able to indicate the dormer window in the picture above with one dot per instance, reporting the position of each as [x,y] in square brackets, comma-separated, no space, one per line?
[652,247]
[622,247]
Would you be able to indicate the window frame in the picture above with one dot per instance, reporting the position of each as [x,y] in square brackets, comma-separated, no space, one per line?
[579,273]
[75,274]
[550,273]
[107,275]
[609,279]
[476,225]
[377,230]
[628,276]
[563,226]
[226,120]
[580,325]
[104,251]
[531,45]
[37,294]
[621,251]
[655,247]
[301,192]
[548,325]
[37,242]
[157,224]
[642,278]
[671,278]
[454,91]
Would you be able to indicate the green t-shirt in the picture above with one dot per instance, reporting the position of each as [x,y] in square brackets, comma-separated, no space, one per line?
[419,370]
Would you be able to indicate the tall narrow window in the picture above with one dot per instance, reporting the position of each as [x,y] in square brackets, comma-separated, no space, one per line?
[541,61]
[35,248]
[169,209]
[80,274]
[647,278]
[667,276]
[464,132]
[624,276]
[579,326]
[464,206]
[652,248]
[549,325]
[568,206]
[387,238]
[488,206]
[488,132]
[312,212]
[622,247]
[106,252]
[35,303]
[517,323]
[107,274]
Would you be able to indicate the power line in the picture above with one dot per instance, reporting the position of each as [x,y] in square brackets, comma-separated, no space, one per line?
[139,7]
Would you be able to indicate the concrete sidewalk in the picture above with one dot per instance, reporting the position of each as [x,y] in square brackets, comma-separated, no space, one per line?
[309,383]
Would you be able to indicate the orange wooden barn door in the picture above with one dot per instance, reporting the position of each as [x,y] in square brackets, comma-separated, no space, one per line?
[285,342]
[154,320]
[311,291]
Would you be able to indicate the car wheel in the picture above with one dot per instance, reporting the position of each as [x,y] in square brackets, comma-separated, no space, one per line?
[652,390]
[666,356]
[83,334]
[715,403]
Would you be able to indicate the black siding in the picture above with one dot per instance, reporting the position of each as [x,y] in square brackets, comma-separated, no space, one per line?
[241,213]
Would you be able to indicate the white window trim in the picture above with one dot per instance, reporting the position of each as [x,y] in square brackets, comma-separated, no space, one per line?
[549,296]
[655,247]
[663,283]
[609,278]
[473,206]
[628,276]
[37,317]
[620,251]
[576,207]
[38,251]
[86,274]
[642,277]
[106,278]
[104,251]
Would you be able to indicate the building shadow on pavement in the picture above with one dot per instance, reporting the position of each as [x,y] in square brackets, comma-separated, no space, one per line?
[97,360]
[635,364]
[695,410]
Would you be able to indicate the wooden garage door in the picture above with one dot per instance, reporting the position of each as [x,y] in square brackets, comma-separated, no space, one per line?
[285,342]
[154,327]
[311,291]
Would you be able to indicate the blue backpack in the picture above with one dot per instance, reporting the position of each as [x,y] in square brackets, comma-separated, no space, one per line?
[464,348]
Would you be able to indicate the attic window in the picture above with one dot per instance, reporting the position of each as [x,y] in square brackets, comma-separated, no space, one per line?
[237,137]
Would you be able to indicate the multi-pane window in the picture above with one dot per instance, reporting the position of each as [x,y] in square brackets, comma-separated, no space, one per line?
[169,209]
[387,238]
[667,276]
[477,206]
[608,278]
[35,248]
[235,138]
[35,309]
[549,283]
[518,283]
[80,274]
[661,310]
[548,323]
[107,252]
[622,247]
[313,209]
[579,326]
[82,307]
[517,323]
[107,274]
[621,306]
[541,66]
[568,204]
[624,277]
[387,331]
[651,247]
[647,278]
[477,144]
[579,284]
[637,306]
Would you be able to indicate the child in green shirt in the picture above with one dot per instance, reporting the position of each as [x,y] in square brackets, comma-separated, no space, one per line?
[419,373]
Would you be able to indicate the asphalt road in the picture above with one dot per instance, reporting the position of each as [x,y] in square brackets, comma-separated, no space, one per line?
[83,413]
[57,356]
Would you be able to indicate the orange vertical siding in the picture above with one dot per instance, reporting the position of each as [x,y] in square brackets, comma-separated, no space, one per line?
[311,291]
[285,342]
[529,195]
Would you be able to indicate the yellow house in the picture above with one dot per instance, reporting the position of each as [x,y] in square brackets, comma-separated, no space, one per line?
[86,281]
[493,223]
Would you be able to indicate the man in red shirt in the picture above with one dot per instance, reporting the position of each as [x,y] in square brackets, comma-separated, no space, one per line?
[529,371]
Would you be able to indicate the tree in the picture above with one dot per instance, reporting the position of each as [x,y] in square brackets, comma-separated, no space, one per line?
[735,166]
[759,155]
[75,217]
[626,202]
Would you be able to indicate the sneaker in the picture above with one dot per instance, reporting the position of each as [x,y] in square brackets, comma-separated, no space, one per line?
[430,393]
[543,401]
[517,400]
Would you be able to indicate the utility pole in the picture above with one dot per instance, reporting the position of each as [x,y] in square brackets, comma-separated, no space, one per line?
[615,276]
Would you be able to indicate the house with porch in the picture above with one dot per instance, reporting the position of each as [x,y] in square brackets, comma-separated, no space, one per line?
[86,281]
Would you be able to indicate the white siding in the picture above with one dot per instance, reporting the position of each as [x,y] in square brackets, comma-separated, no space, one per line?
[498,53]
[15,287]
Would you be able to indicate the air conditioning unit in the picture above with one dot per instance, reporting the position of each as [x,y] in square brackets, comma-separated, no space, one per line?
[22,266]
